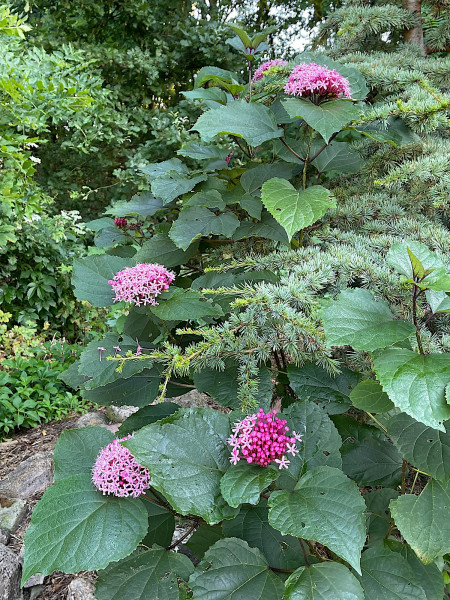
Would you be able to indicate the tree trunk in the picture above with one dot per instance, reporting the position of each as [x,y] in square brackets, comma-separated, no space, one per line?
[414,35]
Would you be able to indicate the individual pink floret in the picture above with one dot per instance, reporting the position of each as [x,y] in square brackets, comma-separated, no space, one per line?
[261,70]
[308,80]
[261,439]
[118,473]
[141,284]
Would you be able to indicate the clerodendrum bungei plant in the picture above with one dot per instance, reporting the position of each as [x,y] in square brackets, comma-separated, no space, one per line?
[241,275]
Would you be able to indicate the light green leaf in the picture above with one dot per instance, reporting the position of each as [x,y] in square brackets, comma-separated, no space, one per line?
[292,209]
[143,204]
[161,250]
[243,483]
[91,275]
[330,393]
[205,74]
[323,582]
[415,383]
[325,506]
[426,448]
[254,122]
[202,151]
[387,575]
[185,305]
[368,395]
[77,449]
[144,575]
[357,320]
[196,221]
[399,258]
[231,569]
[438,301]
[215,94]
[327,118]
[173,184]
[187,455]
[75,528]
[154,170]
[423,520]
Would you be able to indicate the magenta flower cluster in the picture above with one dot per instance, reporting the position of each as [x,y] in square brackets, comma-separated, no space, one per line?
[261,70]
[261,439]
[308,80]
[141,284]
[118,473]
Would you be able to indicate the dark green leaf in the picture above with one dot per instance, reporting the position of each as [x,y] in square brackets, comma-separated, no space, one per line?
[204,537]
[243,483]
[253,179]
[357,320]
[322,582]
[202,151]
[147,415]
[368,395]
[91,275]
[196,221]
[372,462]
[185,305]
[325,506]
[161,250]
[144,575]
[143,204]
[215,94]
[209,199]
[77,449]
[378,514]
[338,157]
[138,390]
[267,228]
[231,569]
[75,528]
[173,184]
[161,525]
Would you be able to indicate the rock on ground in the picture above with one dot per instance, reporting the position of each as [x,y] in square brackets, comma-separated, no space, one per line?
[32,476]
[192,399]
[9,575]
[118,414]
[91,419]
[12,511]
[80,589]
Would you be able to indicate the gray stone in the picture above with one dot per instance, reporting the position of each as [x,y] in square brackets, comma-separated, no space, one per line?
[9,575]
[80,589]
[193,398]
[118,414]
[34,580]
[36,591]
[4,537]
[91,419]
[32,476]
[12,511]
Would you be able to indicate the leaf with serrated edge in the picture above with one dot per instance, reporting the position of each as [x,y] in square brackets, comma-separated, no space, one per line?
[75,528]
[144,575]
[91,275]
[243,483]
[187,454]
[323,582]
[423,520]
[294,210]
[415,383]
[368,395]
[231,569]
[424,447]
[326,507]
[357,320]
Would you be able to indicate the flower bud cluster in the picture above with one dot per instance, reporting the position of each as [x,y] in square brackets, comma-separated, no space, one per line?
[118,473]
[261,439]
[269,64]
[141,284]
[120,222]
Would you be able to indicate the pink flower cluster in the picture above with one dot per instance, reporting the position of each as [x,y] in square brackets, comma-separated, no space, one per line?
[315,80]
[261,439]
[261,70]
[141,284]
[118,473]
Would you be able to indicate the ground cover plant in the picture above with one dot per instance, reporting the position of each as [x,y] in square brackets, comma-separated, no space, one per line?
[291,262]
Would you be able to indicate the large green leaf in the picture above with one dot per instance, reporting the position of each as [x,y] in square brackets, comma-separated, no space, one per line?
[173,184]
[145,575]
[325,506]
[415,383]
[223,386]
[91,275]
[204,537]
[338,156]
[327,118]
[161,524]
[231,569]
[197,221]
[330,393]
[77,449]
[252,525]
[266,228]
[399,258]
[185,305]
[423,520]
[143,204]
[187,455]
[387,575]
[372,461]
[209,199]
[243,483]
[254,122]
[378,514]
[215,94]
[438,301]
[320,441]
[295,210]
[74,528]
[147,415]
[357,320]
[426,448]
[202,151]
[254,178]
[154,170]
[139,390]
[368,395]
[103,371]
[161,250]
[323,582]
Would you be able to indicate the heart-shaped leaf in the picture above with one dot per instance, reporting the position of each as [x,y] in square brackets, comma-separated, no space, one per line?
[322,582]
